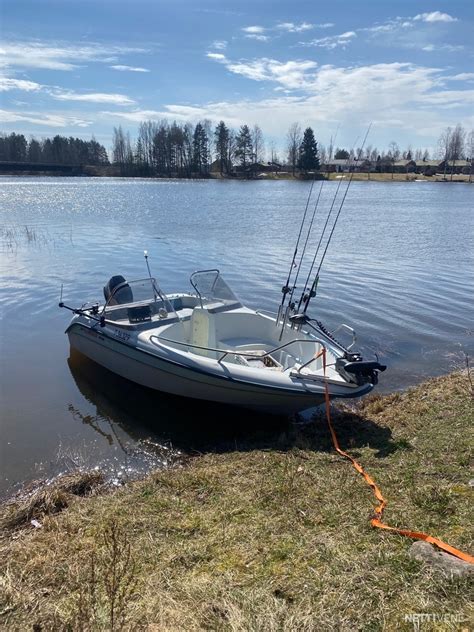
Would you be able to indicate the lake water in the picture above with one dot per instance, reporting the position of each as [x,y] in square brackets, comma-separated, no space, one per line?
[400,269]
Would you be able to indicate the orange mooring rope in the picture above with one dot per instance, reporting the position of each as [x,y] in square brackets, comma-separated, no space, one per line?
[376,521]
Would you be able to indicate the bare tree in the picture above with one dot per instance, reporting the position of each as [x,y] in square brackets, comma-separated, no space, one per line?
[118,146]
[258,143]
[470,152]
[274,157]
[444,146]
[293,142]
[456,148]
[323,154]
[458,138]
[394,151]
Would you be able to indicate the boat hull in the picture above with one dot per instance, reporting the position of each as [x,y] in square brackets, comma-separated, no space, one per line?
[152,371]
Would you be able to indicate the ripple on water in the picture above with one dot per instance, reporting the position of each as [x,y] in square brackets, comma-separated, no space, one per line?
[400,270]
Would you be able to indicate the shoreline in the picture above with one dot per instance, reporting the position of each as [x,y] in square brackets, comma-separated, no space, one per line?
[273,532]
[359,177]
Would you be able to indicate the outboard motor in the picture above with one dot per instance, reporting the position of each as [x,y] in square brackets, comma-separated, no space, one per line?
[122,295]
[356,370]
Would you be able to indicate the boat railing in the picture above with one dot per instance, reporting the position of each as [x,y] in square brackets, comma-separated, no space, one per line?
[267,312]
[350,330]
[250,354]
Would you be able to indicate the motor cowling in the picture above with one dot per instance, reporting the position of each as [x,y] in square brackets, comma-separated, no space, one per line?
[123,295]
[359,371]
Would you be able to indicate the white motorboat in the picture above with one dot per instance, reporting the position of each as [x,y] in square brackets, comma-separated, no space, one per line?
[206,345]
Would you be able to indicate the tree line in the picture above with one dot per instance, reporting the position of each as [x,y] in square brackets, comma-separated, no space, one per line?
[58,150]
[167,148]
[172,149]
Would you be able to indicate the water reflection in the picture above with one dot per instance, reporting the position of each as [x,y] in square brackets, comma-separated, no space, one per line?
[129,413]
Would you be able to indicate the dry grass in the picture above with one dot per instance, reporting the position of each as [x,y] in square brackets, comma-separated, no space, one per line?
[273,538]
[45,498]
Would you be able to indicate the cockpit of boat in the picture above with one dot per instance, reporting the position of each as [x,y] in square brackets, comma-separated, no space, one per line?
[210,323]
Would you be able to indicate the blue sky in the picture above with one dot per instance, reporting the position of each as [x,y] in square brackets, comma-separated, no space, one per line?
[82,67]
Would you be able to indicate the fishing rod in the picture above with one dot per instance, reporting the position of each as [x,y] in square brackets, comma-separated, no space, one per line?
[308,234]
[307,298]
[291,304]
[286,288]
[348,161]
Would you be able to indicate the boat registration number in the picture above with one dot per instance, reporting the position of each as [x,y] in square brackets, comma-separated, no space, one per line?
[122,335]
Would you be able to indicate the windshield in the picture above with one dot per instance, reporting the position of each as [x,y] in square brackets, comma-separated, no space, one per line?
[138,301]
[211,288]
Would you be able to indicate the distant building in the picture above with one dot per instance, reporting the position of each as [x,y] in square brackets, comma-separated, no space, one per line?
[255,168]
[455,166]
[404,166]
[343,165]
[429,167]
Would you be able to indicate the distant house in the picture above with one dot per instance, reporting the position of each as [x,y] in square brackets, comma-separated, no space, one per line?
[404,166]
[254,169]
[429,167]
[216,166]
[274,166]
[455,166]
[343,165]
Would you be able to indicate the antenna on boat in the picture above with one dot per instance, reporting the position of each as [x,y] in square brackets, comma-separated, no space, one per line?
[145,254]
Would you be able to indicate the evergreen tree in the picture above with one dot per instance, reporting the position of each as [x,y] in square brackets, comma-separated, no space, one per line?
[221,142]
[244,147]
[200,149]
[341,154]
[308,158]
[34,151]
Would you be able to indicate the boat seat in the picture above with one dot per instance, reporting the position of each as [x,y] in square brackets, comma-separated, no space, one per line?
[203,332]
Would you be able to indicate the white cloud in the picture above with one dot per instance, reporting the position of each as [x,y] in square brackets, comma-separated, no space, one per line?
[462,76]
[435,16]
[43,118]
[9,83]
[332,41]
[58,56]
[260,38]
[397,95]
[219,44]
[449,48]
[389,26]
[253,29]
[93,97]
[290,74]
[129,68]
[291,27]
[217,56]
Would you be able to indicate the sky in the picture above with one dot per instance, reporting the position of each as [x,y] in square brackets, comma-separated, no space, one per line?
[82,67]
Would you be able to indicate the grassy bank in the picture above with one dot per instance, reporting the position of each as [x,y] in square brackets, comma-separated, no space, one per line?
[266,537]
